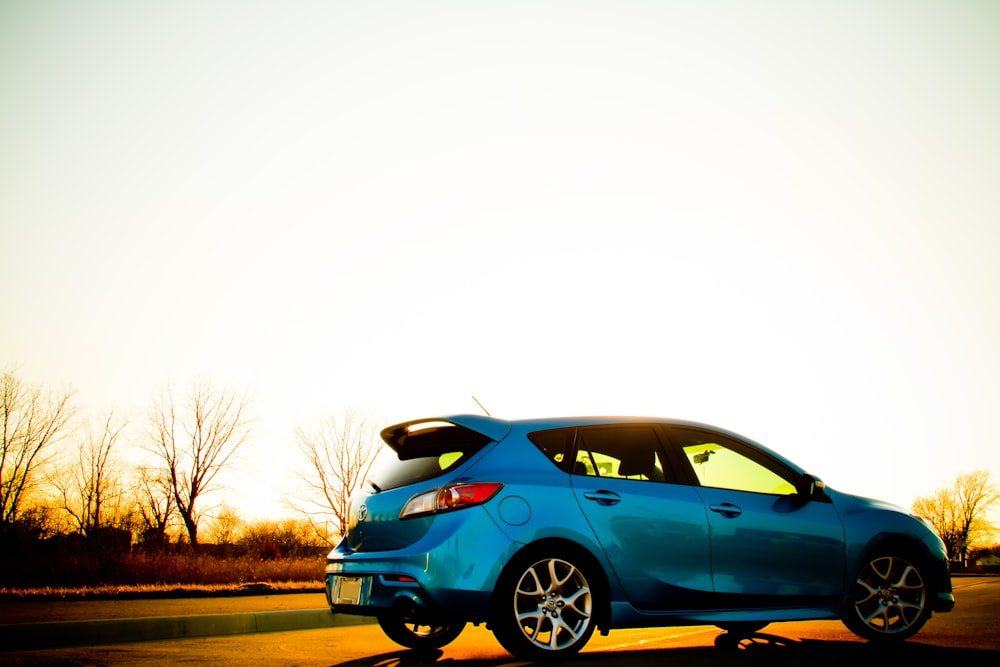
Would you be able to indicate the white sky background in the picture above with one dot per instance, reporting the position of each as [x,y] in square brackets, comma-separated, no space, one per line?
[778,217]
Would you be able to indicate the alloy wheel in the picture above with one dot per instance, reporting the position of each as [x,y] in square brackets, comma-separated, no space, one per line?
[552,605]
[891,598]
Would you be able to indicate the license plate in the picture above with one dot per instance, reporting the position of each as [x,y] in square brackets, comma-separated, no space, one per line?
[346,590]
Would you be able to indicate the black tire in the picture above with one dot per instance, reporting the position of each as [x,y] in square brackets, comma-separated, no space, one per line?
[544,608]
[890,599]
[418,636]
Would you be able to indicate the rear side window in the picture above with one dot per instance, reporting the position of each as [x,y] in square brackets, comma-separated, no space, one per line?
[556,444]
[620,452]
[424,453]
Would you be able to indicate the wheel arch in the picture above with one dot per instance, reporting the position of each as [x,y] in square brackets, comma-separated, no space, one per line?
[896,544]
[880,603]
[564,547]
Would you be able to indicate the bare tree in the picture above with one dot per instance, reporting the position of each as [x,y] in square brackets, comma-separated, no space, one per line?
[91,490]
[340,452]
[195,440]
[225,526]
[155,502]
[958,513]
[31,420]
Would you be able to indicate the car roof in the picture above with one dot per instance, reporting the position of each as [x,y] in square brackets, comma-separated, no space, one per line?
[498,429]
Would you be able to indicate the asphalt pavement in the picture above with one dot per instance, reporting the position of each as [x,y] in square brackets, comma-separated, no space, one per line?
[59,624]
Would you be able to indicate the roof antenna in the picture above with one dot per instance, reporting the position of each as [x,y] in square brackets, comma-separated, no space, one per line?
[481,405]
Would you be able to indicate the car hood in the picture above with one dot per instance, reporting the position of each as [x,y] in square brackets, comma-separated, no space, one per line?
[857,510]
[849,502]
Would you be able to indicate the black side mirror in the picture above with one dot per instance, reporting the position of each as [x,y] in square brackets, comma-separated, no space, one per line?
[808,486]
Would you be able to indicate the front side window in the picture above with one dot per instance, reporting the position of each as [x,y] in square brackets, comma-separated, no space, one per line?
[620,452]
[721,463]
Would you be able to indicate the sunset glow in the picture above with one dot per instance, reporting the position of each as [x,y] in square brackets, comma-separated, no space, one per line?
[779,218]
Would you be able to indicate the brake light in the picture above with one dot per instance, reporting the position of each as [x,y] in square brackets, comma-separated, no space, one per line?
[449,498]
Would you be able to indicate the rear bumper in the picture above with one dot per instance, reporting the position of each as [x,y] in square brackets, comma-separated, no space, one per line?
[450,572]
[379,593]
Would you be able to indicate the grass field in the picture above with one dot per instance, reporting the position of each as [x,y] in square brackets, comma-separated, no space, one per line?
[157,574]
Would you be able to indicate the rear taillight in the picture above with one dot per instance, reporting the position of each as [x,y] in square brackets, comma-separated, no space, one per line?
[449,498]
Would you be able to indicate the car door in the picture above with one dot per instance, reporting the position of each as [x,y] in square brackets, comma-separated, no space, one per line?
[653,532]
[770,545]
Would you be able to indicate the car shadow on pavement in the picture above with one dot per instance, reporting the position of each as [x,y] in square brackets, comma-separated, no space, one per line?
[757,650]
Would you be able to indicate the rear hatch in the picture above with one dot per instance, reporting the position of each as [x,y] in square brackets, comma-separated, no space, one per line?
[421,455]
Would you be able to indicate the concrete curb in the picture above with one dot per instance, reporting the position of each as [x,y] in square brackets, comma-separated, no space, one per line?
[32,636]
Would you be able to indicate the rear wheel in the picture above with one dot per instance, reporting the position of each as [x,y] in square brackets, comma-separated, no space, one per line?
[545,608]
[890,601]
[415,635]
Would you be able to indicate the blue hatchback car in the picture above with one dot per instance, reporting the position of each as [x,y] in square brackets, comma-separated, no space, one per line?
[547,529]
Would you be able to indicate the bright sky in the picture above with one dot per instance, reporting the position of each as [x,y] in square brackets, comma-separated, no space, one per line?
[778,217]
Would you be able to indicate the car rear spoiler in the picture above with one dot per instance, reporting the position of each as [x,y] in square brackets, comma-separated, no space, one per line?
[491,427]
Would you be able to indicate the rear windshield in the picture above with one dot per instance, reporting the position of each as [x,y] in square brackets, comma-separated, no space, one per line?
[425,454]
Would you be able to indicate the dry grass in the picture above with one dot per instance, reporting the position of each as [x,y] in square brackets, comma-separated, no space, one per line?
[207,570]
[117,592]
[159,575]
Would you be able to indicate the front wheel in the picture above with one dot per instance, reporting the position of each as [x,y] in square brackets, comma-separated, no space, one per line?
[890,600]
[544,609]
[418,636]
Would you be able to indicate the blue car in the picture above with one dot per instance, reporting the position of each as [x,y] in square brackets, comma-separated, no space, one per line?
[549,529]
